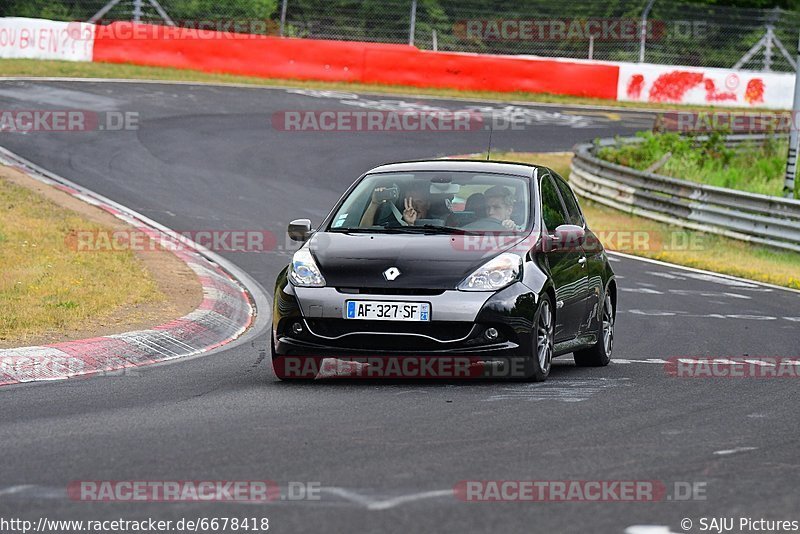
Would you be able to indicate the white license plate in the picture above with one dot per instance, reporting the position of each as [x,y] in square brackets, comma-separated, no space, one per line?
[387,311]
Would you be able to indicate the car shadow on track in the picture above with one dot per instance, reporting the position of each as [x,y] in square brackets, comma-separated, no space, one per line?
[561,370]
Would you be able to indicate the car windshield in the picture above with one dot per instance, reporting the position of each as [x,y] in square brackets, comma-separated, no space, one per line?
[436,202]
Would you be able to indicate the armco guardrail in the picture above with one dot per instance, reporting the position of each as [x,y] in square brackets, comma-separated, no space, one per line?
[761,219]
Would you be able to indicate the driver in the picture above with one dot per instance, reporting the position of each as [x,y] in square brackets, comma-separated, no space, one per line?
[500,206]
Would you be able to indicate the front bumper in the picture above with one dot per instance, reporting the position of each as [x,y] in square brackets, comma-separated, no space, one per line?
[309,322]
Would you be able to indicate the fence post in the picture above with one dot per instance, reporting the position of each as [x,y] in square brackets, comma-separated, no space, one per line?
[794,139]
[137,10]
[643,34]
[768,49]
[412,26]
[283,16]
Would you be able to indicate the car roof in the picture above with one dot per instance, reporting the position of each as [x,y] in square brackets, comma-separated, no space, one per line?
[455,165]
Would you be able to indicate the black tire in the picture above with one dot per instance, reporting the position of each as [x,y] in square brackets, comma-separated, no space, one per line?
[599,354]
[278,368]
[539,362]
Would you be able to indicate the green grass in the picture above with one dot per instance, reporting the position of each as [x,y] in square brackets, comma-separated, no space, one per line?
[757,167]
[704,251]
[69,69]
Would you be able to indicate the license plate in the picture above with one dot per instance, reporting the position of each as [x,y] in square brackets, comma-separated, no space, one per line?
[387,311]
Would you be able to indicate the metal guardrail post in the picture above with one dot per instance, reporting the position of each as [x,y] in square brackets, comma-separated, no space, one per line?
[136,14]
[643,34]
[283,17]
[794,139]
[412,28]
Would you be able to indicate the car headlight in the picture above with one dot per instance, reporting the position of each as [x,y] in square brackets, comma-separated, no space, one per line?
[304,271]
[495,274]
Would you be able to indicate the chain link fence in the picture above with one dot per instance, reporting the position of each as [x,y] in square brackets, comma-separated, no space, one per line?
[678,33]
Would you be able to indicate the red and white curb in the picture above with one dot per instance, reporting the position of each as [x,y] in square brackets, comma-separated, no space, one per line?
[228,308]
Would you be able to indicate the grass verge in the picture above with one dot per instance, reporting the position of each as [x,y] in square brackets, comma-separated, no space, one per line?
[674,244]
[755,167]
[49,291]
[71,69]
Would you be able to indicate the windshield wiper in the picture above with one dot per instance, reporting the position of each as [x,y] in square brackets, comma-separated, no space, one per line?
[444,229]
[427,229]
[423,229]
[372,230]
[355,230]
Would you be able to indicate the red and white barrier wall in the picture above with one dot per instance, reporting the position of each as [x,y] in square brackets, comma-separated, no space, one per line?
[640,82]
[22,38]
[347,61]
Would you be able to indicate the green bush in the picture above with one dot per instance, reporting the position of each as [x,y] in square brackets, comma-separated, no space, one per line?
[755,167]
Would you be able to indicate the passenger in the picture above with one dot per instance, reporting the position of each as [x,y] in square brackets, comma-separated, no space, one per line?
[416,204]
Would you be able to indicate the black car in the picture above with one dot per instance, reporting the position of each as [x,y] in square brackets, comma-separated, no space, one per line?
[421,264]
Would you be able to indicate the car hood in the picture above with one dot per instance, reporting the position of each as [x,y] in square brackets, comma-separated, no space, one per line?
[437,262]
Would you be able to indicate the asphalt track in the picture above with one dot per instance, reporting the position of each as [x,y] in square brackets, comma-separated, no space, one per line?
[387,455]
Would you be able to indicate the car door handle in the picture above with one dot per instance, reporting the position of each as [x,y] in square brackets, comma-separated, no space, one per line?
[582,262]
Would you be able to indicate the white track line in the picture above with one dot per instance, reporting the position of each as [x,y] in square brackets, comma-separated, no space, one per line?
[734,451]
[15,489]
[391,503]
[376,504]
[648,529]
[701,271]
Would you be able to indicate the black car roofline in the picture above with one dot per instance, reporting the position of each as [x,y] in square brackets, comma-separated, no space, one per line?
[528,167]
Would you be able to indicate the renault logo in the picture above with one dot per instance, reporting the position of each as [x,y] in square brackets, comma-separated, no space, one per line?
[391,273]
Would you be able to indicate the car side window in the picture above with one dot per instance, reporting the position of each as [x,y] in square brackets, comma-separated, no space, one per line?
[574,212]
[552,209]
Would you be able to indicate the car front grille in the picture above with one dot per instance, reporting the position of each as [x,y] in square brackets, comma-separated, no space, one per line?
[388,291]
[389,335]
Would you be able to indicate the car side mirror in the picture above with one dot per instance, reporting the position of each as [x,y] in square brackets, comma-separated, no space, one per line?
[569,236]
[300,230]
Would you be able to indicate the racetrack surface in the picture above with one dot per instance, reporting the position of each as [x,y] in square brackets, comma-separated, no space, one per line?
[387,454]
